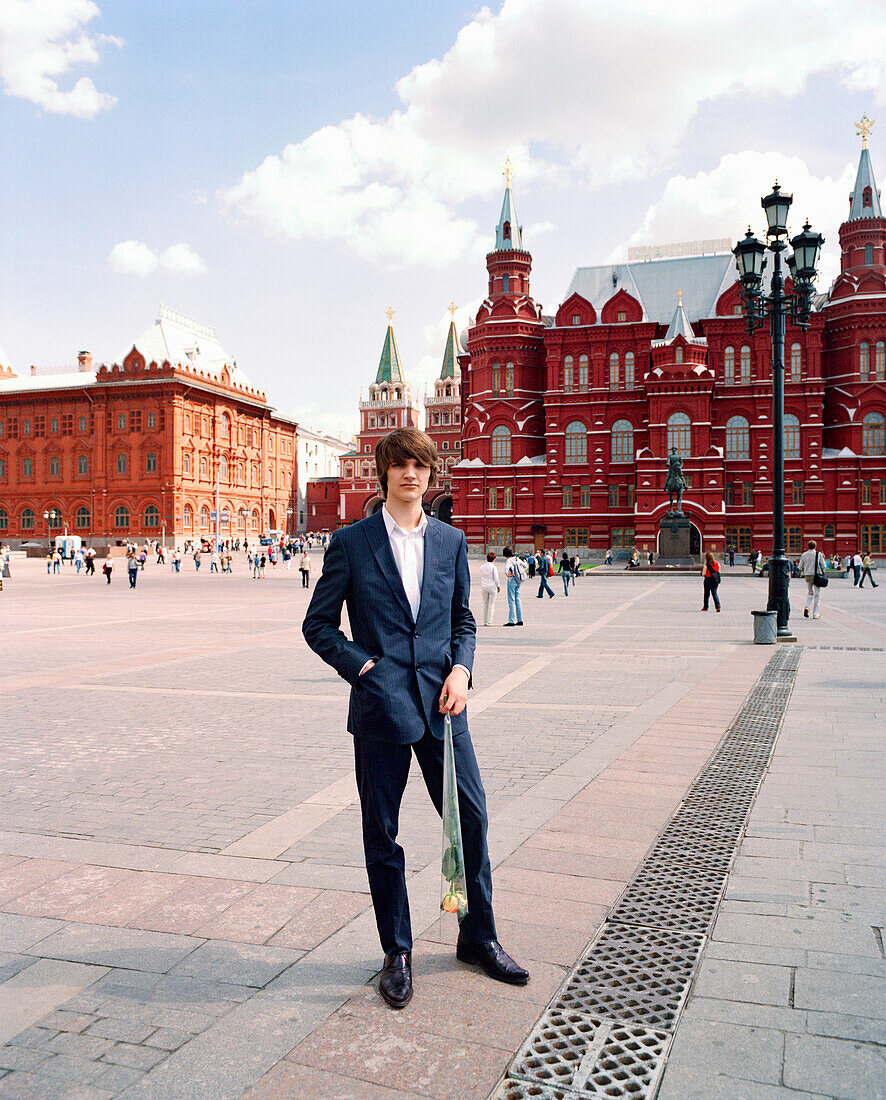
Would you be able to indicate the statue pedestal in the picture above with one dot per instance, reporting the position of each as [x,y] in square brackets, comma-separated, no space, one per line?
[674,540]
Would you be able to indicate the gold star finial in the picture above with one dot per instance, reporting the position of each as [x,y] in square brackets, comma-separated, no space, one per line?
[679,297]
[452,307]
[389,313]
[507,170]
[863,128]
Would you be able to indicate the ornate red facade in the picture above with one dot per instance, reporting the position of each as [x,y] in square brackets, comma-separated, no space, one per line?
[568,419]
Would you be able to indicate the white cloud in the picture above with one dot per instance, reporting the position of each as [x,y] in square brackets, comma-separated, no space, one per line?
[135,258]
[343,424]
[565,88]
[724,201]
[132,258]
[41,40]
[181,259]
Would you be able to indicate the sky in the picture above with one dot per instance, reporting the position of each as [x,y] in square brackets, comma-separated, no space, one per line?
[286,170]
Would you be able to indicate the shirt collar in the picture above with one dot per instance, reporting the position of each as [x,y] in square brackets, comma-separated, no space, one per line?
[394,528]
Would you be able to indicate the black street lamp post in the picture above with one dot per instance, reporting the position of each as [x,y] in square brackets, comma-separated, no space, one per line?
[777,305]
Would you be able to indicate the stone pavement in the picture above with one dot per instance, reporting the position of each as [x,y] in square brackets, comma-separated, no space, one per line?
[183,906]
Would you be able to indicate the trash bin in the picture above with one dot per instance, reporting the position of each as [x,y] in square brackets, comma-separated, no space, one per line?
[765,627]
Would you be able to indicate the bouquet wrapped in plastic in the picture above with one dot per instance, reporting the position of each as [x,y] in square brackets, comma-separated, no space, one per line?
[455,897]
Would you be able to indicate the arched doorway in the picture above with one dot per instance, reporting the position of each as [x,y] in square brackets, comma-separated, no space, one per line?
[441,508]
[694,540]
[272,520]
[372,506]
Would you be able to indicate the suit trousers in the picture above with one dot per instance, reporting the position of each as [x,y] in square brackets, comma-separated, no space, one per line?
[382,768]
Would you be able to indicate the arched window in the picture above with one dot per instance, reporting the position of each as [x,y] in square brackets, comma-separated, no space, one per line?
[4,519]
[186,464]
[496,378]
[791,436]
[509,379]
[864,360]
[202,467]
[629,370]
[678,353]
[680,434]
[151,462]
[873,434]
[567,374]
[729,365]
[28,519]
[622,441]
[796,363]
[576,442]
[582,373]
[152,516]
[241,519]
[204,516]
[745,365]
[738,438]
[223,468]
[868,255]
[506,231]
[121,516]
[501,446]
[224,427]
[255,519]
[880,361]
[188,517]
[81,518]
[867,197]
[613,371]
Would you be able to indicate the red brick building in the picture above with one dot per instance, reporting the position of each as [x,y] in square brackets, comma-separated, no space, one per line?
[567,419]
[155,445]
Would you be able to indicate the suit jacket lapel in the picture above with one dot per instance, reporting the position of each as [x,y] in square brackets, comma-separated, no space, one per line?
[377,536]
[433,539]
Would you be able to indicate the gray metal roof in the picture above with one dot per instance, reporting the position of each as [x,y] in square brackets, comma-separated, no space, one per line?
[864,179]
[656,283]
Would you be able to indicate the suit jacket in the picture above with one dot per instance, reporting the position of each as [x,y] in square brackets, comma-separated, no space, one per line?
[397,699]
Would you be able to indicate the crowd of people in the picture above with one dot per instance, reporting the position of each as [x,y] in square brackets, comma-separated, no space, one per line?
[520,568]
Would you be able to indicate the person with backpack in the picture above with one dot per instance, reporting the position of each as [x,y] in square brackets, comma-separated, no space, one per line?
[814,568]
[710,572]
[565,570]
[545,569]
[516,572]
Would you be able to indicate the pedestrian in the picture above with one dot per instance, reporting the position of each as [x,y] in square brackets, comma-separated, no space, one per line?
[287,558]
[255,565]
[197,553]
[490,587]
[753,559]
[710,571]
[108,567]
[856,569]
[409,664]
[565,569]
[49,563]
[516,572]
[576,567]
[262,562]
[132,567]
[79,559]
[90,561]
[731,556]
[812,563]
[607,558]
[304,567]
[650,557]
[532,565]
[866,572]
[545,570]
[214,561]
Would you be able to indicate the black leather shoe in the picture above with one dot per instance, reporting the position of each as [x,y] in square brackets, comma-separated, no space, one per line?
[494,959]
[395,984]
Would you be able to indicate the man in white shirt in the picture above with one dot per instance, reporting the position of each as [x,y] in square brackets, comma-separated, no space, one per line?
[406,583]
[810,563]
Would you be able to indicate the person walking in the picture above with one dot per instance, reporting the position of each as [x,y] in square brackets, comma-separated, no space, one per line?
[565,569]
[196,555]
[812,562]
[532,564]
[79,559]
[866,572]
[516,573]
[132,567]
[607,558]
[304,567]
[490,587]
[731,556]
[752,561]
[856,569]
[545,569]
[405,579]
[262,562]
[90,561]
[108,567]
[57,562]
[710,571]
[214,560]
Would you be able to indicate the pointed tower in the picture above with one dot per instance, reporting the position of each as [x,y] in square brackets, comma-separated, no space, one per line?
[391,404]
[443,421]
[863,234]
[508,265]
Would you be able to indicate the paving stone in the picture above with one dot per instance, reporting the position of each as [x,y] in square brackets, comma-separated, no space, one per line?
[21,1058]
[118,1078]
[287,1079]
[134,1057]
[65,1020]
[21,933]
[835,1067]
[121,947]
[79,1046]
[128,1031]
[72,1069]
[848,994]
[240,963]
[167,1038]
[737,981]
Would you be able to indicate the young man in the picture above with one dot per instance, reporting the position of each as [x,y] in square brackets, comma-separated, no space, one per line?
[405,580]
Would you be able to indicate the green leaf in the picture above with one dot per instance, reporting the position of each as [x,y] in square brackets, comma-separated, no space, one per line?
[452,868]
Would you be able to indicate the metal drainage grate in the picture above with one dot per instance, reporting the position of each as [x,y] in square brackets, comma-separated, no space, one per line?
[590,1056]
[608,1031]
[634,975]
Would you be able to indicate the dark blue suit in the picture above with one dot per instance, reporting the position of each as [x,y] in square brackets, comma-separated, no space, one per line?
[394,707]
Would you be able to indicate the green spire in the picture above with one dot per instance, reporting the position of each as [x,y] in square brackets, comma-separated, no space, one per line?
[389,364]
[450,357]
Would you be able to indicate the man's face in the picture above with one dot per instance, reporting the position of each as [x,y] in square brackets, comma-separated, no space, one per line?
[407,480]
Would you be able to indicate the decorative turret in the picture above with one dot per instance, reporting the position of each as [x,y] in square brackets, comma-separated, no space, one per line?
[680,349]
[450,368]
[509,265]
[680,325]
[863,234]
[389,363]
[391,401]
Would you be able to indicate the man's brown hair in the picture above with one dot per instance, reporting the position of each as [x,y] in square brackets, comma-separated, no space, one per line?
[400,445]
